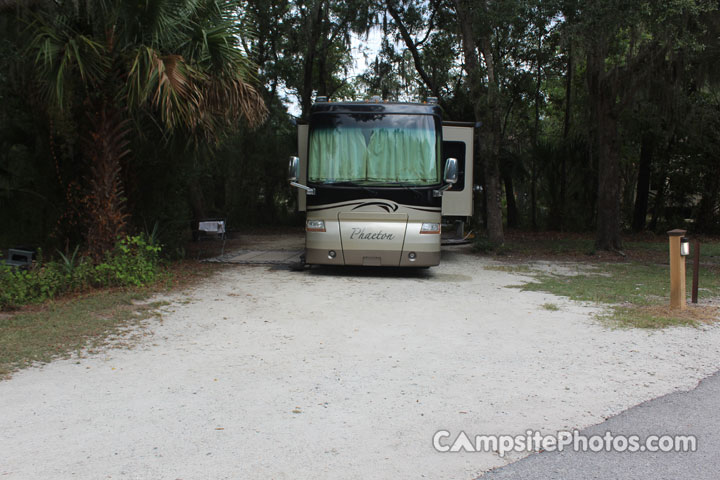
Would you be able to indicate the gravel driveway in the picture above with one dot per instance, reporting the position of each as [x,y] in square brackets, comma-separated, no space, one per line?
[263,373]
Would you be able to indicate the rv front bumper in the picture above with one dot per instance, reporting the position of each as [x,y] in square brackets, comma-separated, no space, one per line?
[374,258]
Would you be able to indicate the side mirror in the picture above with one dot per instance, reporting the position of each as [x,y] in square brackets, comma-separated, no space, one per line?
[451,171]
[294,169]
[450,177]
[294,173]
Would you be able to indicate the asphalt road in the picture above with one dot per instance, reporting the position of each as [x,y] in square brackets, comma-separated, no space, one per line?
[696,412]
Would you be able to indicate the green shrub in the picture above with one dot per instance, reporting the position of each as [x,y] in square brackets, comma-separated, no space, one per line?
[18,287]
[133,262]
[13,287]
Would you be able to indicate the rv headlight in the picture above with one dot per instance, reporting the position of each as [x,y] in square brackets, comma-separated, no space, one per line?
[430,228]
[315,226]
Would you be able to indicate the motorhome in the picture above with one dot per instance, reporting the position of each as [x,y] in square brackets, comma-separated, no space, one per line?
[375,179]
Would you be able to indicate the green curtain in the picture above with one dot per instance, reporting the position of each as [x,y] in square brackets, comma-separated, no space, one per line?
[338,155]
[392,155]
[402,155]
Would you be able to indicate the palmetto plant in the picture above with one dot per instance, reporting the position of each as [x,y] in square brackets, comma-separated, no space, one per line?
[69,262]
[112,63]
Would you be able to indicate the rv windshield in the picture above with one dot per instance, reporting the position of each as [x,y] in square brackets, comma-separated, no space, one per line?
[374,149]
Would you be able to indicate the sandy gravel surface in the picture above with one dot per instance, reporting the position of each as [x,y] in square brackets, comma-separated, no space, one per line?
[264,373]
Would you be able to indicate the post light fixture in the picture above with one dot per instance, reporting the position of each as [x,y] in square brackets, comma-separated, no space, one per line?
[684,246]
[679,249]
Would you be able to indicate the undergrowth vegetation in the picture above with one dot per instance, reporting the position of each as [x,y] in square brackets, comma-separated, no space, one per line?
[133,262]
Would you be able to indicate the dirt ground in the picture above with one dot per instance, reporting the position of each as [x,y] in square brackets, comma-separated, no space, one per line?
[261,372]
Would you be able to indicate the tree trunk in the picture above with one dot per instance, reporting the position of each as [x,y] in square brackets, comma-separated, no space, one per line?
[706,217]
[322,78]
[536,132]
[512,211]
[568,92]
[659,204]
[197,201]
[492,172]
[313,24]
[486,108]
[566,134]
[533,193]
[105,147]
[643,183]
[608,205]
[602,98]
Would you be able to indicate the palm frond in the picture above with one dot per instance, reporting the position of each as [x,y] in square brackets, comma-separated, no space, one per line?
[59,51]
[233,98]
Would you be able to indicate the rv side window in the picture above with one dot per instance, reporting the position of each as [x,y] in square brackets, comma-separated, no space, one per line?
[456,150]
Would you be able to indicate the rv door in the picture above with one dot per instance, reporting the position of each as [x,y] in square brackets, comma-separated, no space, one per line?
[458,143]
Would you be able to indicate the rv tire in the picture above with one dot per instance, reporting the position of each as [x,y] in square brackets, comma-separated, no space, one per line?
[299,266]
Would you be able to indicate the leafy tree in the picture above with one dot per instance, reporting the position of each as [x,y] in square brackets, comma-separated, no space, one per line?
[111,66]
[490,32]
[623,41]
[595,115]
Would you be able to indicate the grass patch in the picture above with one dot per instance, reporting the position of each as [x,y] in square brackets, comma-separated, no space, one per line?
[58,329]
[510,268]
[660,316]
[97,318]
[637,293]
[550,307]
[634,283]
[708,248]
[615,283]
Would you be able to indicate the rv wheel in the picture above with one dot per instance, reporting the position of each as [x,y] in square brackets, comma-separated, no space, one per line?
[298,266]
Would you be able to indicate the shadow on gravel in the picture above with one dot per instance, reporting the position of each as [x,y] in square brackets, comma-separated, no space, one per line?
[418,273]
[370,272]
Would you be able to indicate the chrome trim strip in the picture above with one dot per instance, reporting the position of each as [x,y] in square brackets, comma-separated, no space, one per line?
[387,205]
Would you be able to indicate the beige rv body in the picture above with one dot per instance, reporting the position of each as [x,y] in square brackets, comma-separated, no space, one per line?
[372,234]
[378,231]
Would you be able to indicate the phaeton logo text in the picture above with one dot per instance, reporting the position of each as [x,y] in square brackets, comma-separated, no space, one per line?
[360,234]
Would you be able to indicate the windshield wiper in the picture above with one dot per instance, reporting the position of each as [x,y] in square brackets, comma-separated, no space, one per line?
[339,184]
[408,186]
[351,184]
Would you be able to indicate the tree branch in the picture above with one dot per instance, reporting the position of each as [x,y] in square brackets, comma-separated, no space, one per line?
[431,20]
[413,50]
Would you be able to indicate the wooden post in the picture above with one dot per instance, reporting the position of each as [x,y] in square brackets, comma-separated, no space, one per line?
[696,271]
[677,271]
